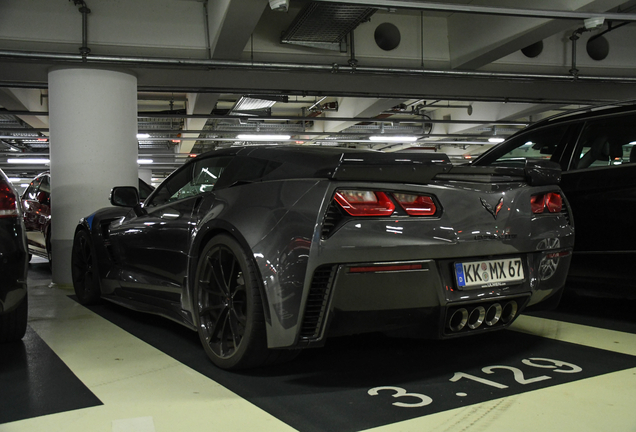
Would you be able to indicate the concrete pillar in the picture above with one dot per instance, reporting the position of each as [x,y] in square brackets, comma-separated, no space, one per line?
[93,127]
[146,175]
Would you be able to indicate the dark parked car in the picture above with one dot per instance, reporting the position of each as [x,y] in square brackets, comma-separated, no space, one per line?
[595,148]
[36,205]
[13,265]
[266,250]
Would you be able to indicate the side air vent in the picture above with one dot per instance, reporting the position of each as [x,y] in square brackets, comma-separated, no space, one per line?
[566,211]
[317,302]
[333,216]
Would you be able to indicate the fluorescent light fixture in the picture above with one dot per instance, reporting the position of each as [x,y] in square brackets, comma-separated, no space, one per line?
[24,185]
[496,140]
[144,161]
[143,135]
[248,137]
[14,179]
[28,161]
[392,138]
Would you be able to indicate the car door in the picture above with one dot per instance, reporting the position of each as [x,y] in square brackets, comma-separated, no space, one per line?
[600,184]
[152,249]
[37,212]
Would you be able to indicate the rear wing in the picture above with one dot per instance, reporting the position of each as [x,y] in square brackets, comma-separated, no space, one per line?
[418,168]
[535,173]
[292,162]
[423,168]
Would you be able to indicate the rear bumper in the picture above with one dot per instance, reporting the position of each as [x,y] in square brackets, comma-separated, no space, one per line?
[423,295]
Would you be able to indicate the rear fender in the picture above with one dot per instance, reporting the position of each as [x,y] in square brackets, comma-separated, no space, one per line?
[202,236]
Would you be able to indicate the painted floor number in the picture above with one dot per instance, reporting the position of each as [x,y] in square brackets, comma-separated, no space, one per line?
[537,362]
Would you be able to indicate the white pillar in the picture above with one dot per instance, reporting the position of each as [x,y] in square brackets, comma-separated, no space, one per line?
[146,175]
[93,127]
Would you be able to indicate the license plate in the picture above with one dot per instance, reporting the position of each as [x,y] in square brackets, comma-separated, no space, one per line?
[499,272]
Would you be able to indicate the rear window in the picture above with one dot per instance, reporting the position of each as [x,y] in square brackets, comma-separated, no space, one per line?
[606,142]
[536,144]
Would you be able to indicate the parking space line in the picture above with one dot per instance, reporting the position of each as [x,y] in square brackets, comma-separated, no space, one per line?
[609,340]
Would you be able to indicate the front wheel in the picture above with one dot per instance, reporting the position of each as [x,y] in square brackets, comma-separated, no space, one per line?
[84,269]
[229,309]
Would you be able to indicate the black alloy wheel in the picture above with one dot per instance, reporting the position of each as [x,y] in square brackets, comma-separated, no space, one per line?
[228,306]
[84,269]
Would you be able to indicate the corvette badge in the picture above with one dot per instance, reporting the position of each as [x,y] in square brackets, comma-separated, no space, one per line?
[493,211]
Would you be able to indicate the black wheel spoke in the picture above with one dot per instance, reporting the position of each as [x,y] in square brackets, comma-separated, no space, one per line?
[216,267]
[207,310]
[228,281]
[215,329]
[210,287]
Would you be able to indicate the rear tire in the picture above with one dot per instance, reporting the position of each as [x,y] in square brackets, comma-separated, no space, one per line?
[84,269]
[228,306]
[13,324]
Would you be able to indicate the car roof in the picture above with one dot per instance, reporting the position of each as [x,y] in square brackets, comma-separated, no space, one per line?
[585,113]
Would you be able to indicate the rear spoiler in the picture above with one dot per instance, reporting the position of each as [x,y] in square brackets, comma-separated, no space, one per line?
[423,168]
[535,173]
[402,167]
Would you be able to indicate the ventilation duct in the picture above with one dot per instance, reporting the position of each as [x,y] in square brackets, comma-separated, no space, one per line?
[325,25]
[256,104]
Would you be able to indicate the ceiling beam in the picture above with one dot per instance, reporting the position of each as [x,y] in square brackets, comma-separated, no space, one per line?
[478,40]
[489,10]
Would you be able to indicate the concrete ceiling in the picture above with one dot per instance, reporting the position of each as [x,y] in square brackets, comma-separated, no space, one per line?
[458,72]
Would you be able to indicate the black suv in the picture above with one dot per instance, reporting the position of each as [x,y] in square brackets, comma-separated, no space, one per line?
[596,150]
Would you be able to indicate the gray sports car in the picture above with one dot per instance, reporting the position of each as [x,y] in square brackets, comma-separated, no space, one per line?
[268,250]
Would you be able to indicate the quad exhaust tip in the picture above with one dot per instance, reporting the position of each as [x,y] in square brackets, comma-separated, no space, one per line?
[475,317]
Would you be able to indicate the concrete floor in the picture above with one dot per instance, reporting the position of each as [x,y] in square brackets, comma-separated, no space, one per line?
[547,373]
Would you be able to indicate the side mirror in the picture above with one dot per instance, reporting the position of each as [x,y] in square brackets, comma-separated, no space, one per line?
[126,196]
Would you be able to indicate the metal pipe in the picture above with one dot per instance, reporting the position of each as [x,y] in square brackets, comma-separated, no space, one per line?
[488,10]
[271,66]
[575,36]
[208,48]
[84,49]
[316,104]
[353,62]
[281,118]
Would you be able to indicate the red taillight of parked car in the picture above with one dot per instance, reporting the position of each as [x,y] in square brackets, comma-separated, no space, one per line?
[416,205]
[8,201]
[365,202]
[551,201]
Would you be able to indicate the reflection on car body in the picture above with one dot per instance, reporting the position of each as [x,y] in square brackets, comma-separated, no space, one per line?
[596,151]
[36,206]
[267,250]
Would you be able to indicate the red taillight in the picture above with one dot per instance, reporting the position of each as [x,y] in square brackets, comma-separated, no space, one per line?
[536,203]
[8,207]
[416,205]
[365,203]
[551,201]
